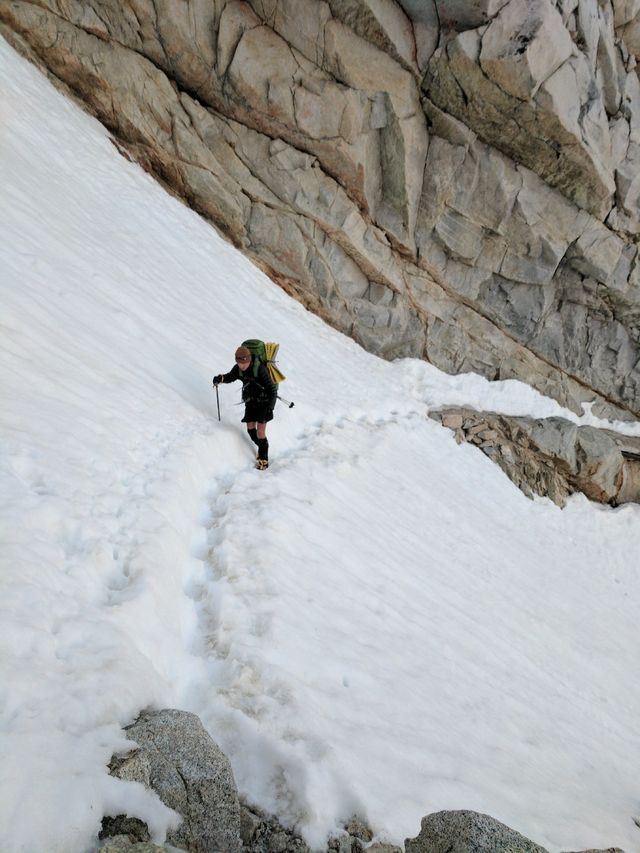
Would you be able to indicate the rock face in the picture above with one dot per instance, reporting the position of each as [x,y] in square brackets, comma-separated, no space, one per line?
[553,457]
[178,760]
[467,832]
[457,181]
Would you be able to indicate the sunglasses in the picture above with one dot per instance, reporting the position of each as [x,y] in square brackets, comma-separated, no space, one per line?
[242,359]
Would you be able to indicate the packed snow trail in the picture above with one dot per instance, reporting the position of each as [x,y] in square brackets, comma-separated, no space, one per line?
[379,623]
[428,655]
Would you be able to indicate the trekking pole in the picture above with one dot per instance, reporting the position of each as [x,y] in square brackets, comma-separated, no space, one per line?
[282,400]
[218,401]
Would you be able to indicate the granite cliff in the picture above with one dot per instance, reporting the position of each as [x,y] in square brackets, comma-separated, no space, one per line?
[456,181]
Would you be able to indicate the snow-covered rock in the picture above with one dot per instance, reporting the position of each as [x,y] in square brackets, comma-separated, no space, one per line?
[176,758]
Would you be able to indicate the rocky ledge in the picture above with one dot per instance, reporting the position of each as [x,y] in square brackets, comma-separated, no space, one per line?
[553,457]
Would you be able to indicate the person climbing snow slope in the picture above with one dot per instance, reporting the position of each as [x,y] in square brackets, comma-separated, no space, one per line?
[259,394]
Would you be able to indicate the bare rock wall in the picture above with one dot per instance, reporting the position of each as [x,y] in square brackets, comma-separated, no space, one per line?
[457,182]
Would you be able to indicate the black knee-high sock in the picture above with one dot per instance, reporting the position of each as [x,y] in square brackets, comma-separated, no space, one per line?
[263,449]
[253,435]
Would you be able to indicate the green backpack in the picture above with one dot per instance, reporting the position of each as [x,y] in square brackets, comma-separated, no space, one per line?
[265,353]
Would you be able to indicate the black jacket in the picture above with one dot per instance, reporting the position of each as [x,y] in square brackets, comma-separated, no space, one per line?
[259,388]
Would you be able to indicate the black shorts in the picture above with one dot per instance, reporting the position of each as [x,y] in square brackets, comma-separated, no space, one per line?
[258,411]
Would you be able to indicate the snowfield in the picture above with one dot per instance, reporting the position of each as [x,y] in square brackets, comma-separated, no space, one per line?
[380,623]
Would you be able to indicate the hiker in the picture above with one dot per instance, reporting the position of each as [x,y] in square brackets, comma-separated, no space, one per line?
[259,394]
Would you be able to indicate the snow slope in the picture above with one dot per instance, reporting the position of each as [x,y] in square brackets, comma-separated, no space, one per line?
[379,623]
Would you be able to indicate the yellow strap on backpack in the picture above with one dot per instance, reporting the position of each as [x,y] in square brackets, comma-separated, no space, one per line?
[271,350]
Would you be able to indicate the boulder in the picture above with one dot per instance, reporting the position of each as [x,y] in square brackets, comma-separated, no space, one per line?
[468,832]
[175,757]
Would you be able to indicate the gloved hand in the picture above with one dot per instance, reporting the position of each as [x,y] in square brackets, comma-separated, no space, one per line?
[218,379]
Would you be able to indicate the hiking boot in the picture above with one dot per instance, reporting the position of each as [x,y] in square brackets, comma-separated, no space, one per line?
[261,464]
